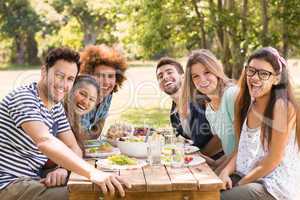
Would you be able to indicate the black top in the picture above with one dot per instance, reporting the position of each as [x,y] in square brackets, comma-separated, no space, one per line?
[199,126]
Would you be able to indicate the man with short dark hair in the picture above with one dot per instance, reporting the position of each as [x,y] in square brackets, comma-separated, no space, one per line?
[34,127]
[169,74]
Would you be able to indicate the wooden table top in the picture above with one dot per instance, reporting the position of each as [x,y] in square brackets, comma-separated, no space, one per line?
[157,179]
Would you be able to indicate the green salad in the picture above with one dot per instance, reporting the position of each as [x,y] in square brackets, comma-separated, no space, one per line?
[122,160]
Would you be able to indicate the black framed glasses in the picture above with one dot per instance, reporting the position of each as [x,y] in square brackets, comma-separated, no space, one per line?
[262,74]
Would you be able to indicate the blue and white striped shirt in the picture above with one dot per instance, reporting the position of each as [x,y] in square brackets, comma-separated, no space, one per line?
[19,156]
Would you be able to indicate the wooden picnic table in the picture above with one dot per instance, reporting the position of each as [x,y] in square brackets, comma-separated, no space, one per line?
[151,183]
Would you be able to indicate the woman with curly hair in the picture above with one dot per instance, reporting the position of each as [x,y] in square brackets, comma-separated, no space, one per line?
[108,66]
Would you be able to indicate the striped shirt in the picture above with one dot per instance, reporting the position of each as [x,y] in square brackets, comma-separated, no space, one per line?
[19,156]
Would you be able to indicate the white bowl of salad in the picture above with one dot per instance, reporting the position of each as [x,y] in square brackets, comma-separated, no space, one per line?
[133,146]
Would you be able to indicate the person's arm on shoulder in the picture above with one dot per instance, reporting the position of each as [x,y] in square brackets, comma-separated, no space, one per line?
[283,124]
[65,157]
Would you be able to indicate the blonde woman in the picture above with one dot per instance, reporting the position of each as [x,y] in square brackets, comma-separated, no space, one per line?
[206,83]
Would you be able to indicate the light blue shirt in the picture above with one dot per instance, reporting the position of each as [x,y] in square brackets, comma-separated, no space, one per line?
[100,112]
[221,121]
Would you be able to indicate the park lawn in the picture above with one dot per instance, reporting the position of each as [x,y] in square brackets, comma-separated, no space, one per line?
[158,117]
[9,66]
[154,117]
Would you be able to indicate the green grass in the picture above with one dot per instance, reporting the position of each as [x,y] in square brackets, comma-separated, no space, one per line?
[157,117]
[153,117]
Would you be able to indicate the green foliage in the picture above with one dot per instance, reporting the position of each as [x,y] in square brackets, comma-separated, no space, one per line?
[19,21]
[18,18]
[154,117]
[152,28]
[70,35]
[97,19]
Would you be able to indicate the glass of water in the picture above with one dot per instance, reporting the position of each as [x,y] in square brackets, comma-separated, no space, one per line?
[177,152]
[154,149]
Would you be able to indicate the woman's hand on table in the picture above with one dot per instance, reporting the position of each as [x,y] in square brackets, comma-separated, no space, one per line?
[109,181]
[224,176]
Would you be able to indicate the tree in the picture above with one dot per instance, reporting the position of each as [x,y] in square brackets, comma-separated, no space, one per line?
[19,21]
[95,17]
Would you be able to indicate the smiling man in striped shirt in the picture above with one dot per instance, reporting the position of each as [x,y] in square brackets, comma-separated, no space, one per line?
[34,127]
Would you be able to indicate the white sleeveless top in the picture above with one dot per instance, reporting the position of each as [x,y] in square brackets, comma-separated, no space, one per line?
[284,182]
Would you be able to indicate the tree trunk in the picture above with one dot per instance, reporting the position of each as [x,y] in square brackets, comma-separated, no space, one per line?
[32,50]
[285,32]
[91,31]
[222,38]
[89,38]
[265,22]
[20,49]
[202,29]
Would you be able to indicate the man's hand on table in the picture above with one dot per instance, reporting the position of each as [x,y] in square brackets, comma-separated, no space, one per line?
[108,182]
[58,177]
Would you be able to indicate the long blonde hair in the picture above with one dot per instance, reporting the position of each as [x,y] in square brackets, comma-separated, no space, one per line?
[189,93]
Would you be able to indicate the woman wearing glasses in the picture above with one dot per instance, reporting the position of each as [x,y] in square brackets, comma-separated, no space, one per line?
[267,163]
[206,83]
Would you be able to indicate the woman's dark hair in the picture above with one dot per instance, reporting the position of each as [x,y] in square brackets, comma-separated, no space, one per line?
[282,90]
[62,53]
[85,79]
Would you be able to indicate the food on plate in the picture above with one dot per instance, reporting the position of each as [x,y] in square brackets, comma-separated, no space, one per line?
[140,131]
[104,147]
[118,130]
[132,139]
[92,143]
[122,160]
[190,149]
[188,159]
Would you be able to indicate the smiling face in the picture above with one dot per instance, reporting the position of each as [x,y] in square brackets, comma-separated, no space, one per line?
[259,88]
[58,80]
[169,79]
[106,78]
[84,98]
[204,81]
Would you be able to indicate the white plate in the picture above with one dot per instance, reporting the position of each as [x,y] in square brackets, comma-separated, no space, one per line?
[190,149]
[103,154]
[197,160]
[106,164]
[93,143]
